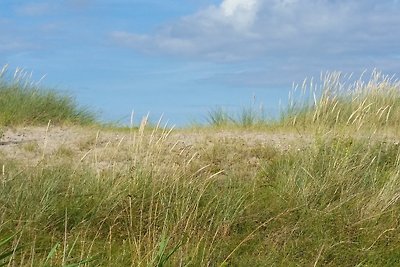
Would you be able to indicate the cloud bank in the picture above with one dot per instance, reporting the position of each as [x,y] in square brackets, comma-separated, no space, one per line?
[251,29]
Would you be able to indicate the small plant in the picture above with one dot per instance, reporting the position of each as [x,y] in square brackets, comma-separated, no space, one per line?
[250,117]
[32,147]
[64,151]
[219,117]
[246,118]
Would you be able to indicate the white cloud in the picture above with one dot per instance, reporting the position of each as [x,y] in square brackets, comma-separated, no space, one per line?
[248,29]
[203,33]
[241,14]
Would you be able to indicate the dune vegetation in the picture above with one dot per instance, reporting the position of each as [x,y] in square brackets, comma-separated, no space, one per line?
[23,102]
[209,196]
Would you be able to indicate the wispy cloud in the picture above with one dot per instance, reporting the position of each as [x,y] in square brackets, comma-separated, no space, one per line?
[11,39]
[44,25]
[249,29]
[34,8]
[46,7]
[206,32]
[15,45]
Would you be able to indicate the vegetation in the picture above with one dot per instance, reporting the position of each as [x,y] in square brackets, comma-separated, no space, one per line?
[22,102]
[150,199]
[340,102]
[251,117]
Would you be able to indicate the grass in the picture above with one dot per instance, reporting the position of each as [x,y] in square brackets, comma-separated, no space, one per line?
[250,117]
[150,199]
[339,101]
[124,216]
[334,203]
[23,103]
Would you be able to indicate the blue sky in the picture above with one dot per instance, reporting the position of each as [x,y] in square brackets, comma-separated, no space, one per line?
[184,57]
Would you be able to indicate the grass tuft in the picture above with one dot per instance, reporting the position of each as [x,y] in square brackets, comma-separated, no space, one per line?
[338,101]
[23,103]
[250,117]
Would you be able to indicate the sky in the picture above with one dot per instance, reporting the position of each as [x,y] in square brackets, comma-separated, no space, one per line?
[183,58]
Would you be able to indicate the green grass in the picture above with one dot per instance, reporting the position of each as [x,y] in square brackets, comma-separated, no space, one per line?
[250,117]
[346,192]
[150,200]
[24,103]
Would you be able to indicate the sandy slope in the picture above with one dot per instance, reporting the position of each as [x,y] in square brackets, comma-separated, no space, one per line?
[33,143]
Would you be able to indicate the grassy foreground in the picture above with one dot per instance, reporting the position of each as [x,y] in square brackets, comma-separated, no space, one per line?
[150,200]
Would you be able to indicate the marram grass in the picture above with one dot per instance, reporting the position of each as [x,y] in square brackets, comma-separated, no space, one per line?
[155,203]
[151,200]
[337,101]
[340,101]
[23,103]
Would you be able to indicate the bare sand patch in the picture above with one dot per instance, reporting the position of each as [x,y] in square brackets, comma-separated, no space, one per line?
[31,144]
